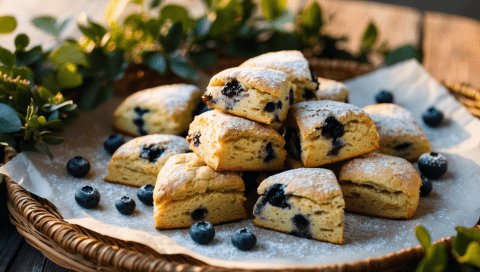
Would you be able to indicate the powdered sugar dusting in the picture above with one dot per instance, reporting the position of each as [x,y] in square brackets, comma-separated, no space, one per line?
[393,120]
[292,62]
[265,80]
[314,183]
[165,141]
[330,88]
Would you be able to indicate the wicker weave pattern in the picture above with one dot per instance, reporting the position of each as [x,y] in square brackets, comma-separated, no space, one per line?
[467,95]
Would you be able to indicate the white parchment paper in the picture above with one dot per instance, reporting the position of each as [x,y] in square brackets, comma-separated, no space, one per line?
[453,202]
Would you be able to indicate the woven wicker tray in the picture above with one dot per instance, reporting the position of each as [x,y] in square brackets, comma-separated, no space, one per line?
[80,249]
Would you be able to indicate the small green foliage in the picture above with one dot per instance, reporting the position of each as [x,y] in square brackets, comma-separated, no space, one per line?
[176,13]
[155,3]
[7,24]
[21,41]
[369,37]
[273,8]
[312,19]
[155,61]
[173,38]
[182,68]
[9,120]
[69,53]
[50,25]
[68,76]
[205,59]
[423,236]
[403,53]
[6,57]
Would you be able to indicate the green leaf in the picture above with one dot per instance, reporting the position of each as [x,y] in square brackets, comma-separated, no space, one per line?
[94,95]
[202,27]
[53,117]
[472,255]
[273,8]
[312,18]
[23,98]
[53,124]
[173,38]
[436,259]
[47,24]
[137,2]
[176,13]
[115,66]
[15,72]
[423,236]
[369,37]
[182,68]
[52,140]
[463,239]
[8,139]
[279,23]
[69,52]
[97,59]
[248,7]
[155,61]
[21,41]
[403,53]
[223,23]
[45,148]
[62,105]
[7,24]
[6,57]
[29,57]
[9,120]
[42,121]
[68,76]
[33,122]
[155,3]
[204,59]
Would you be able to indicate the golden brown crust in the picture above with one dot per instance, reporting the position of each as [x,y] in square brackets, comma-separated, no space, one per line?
[389,173]
[289,61]
[265,80]
[316,184]
[186,174]
[310,115]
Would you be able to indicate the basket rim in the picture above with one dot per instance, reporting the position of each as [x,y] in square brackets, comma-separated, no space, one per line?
[79,249]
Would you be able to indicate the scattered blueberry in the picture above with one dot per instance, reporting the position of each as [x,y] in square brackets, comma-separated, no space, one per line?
[125,205]
[232,88]
[203,109]
[202,232]
[432,117]
[151,153]
[432,165]
[426,187]
[113,142]
[243,239]
[87,197]
[384,97]
[145,194]
[270,107]
[78,166]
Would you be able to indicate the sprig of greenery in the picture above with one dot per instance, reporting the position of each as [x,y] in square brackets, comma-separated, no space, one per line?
[465,250]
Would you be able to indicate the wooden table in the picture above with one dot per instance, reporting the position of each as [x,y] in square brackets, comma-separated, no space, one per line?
[451,47]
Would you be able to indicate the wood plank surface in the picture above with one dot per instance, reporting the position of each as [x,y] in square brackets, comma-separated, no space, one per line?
[451,48]
[10,243]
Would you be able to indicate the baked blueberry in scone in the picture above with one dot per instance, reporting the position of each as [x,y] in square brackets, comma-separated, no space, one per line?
[187,191]
[295,64]
[138,161]
[167,109]
[306,202]
[230,143]
[332,90]
[323,132]
[254,93]
[380,185]
[400,134]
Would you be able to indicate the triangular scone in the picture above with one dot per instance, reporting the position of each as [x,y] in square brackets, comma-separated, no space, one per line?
[294,63]
[167,109]
[380,185]
[400,134]
[305,202]
[258,94]
[329,89]
[138,161]
[230,143]
[187,191]
[322,132]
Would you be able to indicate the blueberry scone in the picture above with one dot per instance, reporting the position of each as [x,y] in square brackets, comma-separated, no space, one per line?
[187,191]
[400,134]
[294,63]
[254,93]
[165,109]
[322,132]
[332,90]
[138,161]
[380,185]
[305,202]
[231,143]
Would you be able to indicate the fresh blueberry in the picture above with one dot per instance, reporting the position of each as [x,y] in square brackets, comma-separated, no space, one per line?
[432,117]
[87,197]
[145,194]
[125,205]
[113,142]
[432,165]
[244,239]
[202,232]
[426,187]
[384,97]
[78,166]
[203,109]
